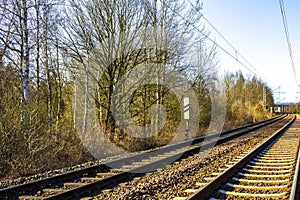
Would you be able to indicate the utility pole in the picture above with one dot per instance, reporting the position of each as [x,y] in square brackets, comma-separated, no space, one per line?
[279,92]
[265,97]
[279,99]
[297,103]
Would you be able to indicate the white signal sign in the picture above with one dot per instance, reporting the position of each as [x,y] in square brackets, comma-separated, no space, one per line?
[186,108]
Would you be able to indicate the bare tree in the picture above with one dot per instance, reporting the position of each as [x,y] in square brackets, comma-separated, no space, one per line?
[111,30]
[116,36]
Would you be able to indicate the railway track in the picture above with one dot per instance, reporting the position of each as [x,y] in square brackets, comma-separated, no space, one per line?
[90,181]
[270,171]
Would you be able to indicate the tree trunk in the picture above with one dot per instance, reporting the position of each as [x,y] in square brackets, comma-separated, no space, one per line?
[59,93]
[26,66]
[86,101]
[26,58]
[46,63]
[37,62]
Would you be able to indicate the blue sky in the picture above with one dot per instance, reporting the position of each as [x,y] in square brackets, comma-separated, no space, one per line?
[255,29]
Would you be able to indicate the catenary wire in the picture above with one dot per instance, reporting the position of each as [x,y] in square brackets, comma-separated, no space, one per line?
[211,40]
[287,35]
[235,50]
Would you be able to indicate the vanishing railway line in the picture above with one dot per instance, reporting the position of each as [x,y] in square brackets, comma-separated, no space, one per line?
[270,171]
[93,180]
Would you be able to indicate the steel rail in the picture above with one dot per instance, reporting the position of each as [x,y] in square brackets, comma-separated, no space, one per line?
[295,186]
[31,187]
[205,192]
[88,189]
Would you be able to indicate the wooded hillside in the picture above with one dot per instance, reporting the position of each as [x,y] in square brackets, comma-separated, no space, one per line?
[69,69]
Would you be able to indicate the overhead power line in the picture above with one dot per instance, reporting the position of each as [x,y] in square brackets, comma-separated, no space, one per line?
[287,35]
[235,50]
[211,40]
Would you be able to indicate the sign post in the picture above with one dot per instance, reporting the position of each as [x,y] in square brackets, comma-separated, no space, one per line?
[186,115]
